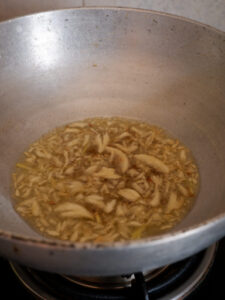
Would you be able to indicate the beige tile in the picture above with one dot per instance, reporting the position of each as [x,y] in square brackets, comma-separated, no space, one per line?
[14,8]
[120,3]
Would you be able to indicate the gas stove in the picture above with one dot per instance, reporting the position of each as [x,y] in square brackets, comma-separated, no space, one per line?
[197,277]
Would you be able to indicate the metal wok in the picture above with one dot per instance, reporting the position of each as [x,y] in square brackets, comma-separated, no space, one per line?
[56,67]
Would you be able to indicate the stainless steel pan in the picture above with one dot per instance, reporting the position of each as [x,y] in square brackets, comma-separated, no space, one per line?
[60,66]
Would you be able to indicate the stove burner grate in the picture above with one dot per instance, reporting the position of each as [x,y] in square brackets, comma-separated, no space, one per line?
[174,281]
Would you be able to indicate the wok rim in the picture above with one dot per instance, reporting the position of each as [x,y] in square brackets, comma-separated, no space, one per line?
[130,244]
[139,10]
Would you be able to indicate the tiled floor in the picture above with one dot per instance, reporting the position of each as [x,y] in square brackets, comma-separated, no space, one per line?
[211,12]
